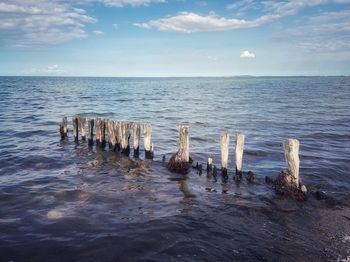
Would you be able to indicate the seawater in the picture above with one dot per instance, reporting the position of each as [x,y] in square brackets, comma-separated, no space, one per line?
[65,200]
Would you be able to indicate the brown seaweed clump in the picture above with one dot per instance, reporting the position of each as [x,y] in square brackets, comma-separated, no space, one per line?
[284,185]
[179,166]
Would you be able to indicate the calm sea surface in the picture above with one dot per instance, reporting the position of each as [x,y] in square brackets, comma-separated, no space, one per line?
[61,200]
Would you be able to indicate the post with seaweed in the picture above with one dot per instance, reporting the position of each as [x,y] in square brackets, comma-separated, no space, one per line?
[147,138]
[288,182]
[91,123]
[180,162]
[63,127]
[239,155]
[125,137]
[136,133]
[224,143]
[75,128]
[81,123]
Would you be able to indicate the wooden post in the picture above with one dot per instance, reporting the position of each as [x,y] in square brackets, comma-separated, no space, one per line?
[111,134]
[147,136]
[291,154]
[103,133]
[91,123]
[63,127]
[180,162]
[75,127]
[98,130]
[183,154]
[136,133]
[224,143]
[125,137]
[209,164]
[81,122]
[239,153]
[117,132]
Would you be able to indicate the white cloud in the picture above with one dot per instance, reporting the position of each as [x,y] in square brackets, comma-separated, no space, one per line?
[187,22]
[116,26]
[247,54]
[122,3]
[98,32]
[25,23]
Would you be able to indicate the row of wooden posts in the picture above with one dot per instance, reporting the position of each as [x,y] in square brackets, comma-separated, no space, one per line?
[119,136]
[118,133]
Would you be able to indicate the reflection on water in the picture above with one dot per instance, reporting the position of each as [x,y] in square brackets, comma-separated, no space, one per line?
[65,200]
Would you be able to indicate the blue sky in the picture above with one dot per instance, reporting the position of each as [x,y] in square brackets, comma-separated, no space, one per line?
[174,37]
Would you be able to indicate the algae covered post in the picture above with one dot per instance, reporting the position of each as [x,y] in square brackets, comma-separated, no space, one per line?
[147,137]
[125,137]
[75,127]
[239,153]
[63,127]
[91,123]
[224,143]
[136,133]
[180,162]
[81,123]
[209,164]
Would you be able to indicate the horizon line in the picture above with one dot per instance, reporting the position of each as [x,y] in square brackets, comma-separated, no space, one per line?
[179,76]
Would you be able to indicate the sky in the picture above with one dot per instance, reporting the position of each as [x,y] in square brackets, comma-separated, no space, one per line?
[160,38]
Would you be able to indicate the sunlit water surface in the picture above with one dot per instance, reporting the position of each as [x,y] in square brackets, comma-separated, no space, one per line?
[61,200]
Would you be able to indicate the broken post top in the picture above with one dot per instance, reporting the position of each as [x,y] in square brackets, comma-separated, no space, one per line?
[291,154]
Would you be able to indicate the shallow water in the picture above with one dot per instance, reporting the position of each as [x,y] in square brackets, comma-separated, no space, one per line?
[64,200]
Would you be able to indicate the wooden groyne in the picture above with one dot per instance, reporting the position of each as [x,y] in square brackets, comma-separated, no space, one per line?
[119,133]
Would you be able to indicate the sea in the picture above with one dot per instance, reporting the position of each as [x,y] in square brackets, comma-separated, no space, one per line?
[63,200]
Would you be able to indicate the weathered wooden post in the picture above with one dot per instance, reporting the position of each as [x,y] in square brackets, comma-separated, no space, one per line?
[81,123]
[91,123]
[291,154]
[100,132]
[125,137]
[136,133]
[180,162]
[209,164]
[98,123]
[147,136]
[239,153]
[111,134]
[63,127]
[75,127]
[224,143]
[118,135]
[288,182]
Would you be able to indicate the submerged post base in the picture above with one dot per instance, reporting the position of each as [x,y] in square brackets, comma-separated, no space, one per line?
[284,185]
[179,166]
